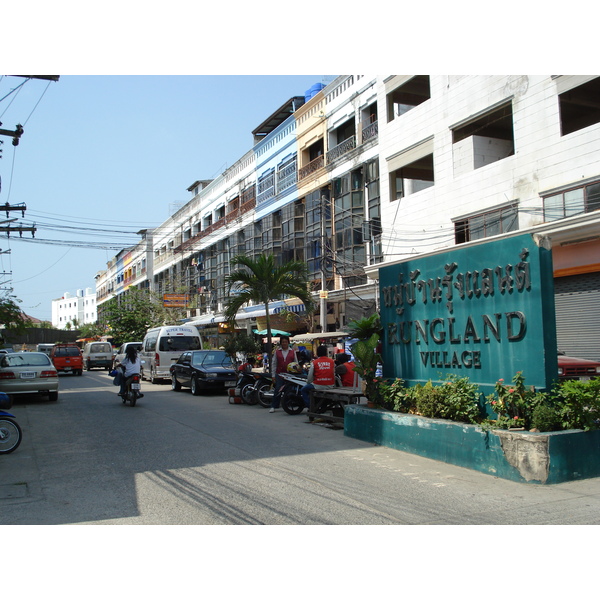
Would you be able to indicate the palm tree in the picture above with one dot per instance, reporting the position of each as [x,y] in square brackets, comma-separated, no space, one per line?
[262,281]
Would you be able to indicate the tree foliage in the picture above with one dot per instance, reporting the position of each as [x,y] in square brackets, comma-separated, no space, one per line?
[262,280]
[130,315]
[11,316]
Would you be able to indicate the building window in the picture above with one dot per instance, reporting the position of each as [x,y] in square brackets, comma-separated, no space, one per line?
[580,107]
[266,186]
[483,225]
[484,140]
[412,178]
[408,95]
[572,202]
[286,174]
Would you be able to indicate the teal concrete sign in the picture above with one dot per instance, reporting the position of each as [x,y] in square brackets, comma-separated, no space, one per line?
[484,311]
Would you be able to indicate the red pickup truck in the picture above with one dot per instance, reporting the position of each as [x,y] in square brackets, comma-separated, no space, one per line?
[570,367]
[67,358]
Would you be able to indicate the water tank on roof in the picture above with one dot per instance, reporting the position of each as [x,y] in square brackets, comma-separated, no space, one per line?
[315,89]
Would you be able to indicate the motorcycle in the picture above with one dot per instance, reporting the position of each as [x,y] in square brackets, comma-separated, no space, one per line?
[291,393]
[262,390]
[245,384]
[291,398]
[10,431]
[132,389]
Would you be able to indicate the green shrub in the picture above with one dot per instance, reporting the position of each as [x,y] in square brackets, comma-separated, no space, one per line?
[578,403]
[395,396]
[569,405]
[456,399]
[545,418]
[514,404]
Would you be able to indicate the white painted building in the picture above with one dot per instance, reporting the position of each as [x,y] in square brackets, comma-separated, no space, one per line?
[79,309]
[400,165]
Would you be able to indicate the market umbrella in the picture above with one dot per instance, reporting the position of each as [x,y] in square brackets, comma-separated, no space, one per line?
[273,332]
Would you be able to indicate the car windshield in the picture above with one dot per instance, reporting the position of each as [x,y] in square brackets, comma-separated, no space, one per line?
[211,358]
[178,343]
[25,360]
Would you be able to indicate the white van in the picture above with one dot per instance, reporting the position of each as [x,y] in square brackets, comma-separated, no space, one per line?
[162,346]
[45,348]
[97,354]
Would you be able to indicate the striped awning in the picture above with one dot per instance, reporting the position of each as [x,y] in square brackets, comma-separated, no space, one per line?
[295,308]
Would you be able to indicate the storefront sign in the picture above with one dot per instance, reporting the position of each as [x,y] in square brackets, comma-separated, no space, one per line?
[484,311]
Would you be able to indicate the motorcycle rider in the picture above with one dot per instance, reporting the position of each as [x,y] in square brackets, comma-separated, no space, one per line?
[321,375]
[281,359]
[131,365]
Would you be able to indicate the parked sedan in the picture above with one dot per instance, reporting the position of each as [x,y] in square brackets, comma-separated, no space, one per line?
[203,370]
[28,373]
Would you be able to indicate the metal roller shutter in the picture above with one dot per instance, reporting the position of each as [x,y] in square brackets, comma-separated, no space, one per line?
[577,299]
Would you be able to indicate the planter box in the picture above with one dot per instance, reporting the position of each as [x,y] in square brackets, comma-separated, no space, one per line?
[548,457]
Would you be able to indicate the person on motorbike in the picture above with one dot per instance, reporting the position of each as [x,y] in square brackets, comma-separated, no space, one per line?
[281,359]
[321,375]
[131,365]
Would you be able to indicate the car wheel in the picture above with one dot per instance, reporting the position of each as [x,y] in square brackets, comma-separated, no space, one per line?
[175,385]
[53,396]
[195,386]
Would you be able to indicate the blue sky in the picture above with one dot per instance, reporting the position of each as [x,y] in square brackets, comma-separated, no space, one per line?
[102,157]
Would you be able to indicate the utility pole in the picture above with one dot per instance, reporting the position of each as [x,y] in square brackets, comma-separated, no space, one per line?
[323,293]
[15,135]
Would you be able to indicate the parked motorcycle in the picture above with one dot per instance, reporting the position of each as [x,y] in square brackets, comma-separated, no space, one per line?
[262,390]
[246,385]
[10,431]
[133,389]
[291,398]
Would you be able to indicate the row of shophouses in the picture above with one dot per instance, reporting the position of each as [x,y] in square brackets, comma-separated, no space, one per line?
[367,170]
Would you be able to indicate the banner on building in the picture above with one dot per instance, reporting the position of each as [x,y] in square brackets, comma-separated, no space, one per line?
[175,300]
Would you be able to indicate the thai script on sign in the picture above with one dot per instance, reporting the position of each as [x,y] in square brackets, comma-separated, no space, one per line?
[464,285]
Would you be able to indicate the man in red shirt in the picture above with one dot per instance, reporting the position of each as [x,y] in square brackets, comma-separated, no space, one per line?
[345,369]
[321,375]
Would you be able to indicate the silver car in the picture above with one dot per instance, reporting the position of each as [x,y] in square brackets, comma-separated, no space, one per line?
[28,373]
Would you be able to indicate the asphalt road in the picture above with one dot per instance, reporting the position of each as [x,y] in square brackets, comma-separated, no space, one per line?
[176,459]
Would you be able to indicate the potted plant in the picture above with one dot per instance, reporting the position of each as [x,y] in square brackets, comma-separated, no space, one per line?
[367,331]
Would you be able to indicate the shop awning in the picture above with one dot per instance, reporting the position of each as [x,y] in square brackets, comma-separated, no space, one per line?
[309,337]
[206,320]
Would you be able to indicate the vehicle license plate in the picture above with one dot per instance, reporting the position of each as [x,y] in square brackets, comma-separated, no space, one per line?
[584,378]
[27,375]
[67,368]
[135,386]
[230,384]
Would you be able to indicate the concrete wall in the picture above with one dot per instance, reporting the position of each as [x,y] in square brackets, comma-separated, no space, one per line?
[543,458]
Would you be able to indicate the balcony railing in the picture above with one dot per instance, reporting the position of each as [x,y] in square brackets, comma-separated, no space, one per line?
[286,177]
[370,132]
[313,166]
[341,149]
